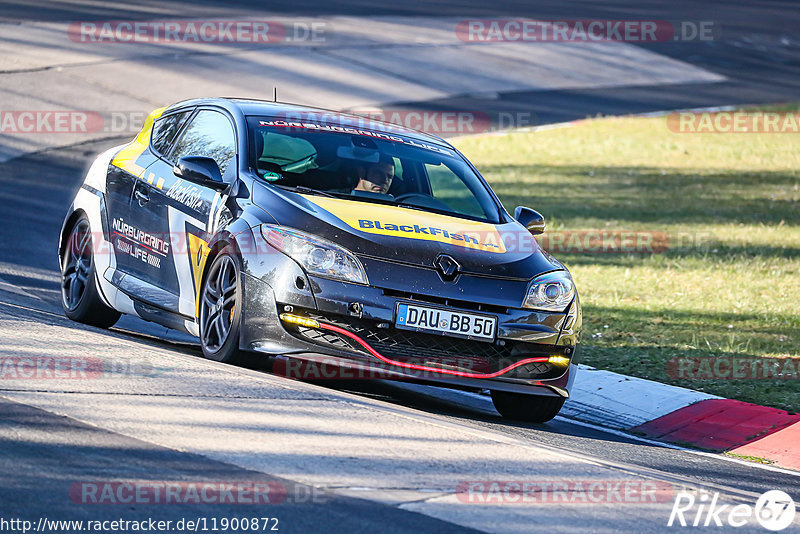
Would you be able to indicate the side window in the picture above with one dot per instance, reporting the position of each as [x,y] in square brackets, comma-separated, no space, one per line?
[449,188]
[165,129]
[211,135]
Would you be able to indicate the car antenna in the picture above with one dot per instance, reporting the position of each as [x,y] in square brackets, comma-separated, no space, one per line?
[275,94]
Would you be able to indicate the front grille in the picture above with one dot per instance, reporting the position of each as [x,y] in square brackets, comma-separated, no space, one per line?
[529,370]
[432,350]
[464,304]
[326,337]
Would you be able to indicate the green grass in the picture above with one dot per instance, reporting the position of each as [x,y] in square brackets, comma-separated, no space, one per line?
[729,282]
[754,459]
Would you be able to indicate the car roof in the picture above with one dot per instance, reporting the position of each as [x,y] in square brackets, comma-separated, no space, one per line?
[252,107]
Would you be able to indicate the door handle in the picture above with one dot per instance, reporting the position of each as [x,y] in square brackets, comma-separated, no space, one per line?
[141,196]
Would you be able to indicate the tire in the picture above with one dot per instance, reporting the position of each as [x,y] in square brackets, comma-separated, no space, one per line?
[221,309]
[530,408]
[80,297]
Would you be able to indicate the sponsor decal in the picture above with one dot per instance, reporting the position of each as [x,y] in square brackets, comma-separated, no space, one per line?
[156,244]
[185,193]
[156,182]
[198,254]
[356,131]
[413,224]
[146,247]
[422,230]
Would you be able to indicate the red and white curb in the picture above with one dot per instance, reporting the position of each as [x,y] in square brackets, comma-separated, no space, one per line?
[685,417]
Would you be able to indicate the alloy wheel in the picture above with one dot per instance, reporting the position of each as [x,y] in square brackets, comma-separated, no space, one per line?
[76,265]
[218,303]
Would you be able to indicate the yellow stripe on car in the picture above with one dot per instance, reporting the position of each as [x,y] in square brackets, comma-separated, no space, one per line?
[413,224]
[127,157]
[198,250]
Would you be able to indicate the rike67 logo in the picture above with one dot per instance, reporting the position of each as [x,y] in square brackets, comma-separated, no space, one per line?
[774,510]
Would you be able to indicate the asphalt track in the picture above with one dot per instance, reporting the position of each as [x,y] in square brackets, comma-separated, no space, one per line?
[42,453]
[52,435]
[755,44]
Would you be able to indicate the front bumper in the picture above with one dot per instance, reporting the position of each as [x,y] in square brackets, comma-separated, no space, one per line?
[351,327]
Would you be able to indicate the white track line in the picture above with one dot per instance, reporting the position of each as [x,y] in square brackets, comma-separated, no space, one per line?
[658,443]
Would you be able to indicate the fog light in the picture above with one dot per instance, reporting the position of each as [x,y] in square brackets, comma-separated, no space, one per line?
[561,361]
[301,321]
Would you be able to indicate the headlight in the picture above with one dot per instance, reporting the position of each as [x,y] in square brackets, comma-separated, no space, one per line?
[316,255]
[550,292]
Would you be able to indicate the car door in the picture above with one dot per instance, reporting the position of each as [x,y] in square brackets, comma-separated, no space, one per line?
[125,170]
[181,214]
[146,248]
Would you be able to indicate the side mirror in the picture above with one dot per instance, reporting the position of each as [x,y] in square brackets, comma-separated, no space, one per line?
[200,170]
[530,219]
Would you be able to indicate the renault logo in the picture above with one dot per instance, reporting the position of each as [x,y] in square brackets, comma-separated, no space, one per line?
[448,267]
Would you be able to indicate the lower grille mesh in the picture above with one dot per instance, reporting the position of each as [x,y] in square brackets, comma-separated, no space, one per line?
[432,350]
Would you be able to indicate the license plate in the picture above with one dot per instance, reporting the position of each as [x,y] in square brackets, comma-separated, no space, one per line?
[447,322]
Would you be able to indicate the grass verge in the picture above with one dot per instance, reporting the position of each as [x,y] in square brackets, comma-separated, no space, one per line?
[726,207]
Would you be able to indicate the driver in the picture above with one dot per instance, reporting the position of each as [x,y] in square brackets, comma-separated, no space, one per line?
[376,177]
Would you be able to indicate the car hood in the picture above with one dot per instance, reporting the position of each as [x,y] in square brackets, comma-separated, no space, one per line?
[410,236]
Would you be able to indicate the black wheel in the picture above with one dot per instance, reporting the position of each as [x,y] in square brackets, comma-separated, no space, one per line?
[79,294]
[221,309]
[531,408]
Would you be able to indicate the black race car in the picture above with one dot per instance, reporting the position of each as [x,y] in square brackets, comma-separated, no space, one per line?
[314,237]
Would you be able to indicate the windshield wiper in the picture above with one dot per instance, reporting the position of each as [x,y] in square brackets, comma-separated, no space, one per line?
[307,190]
[413,207]
[440,212]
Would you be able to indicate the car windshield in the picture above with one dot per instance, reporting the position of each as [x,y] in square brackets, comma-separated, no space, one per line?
[369,166]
